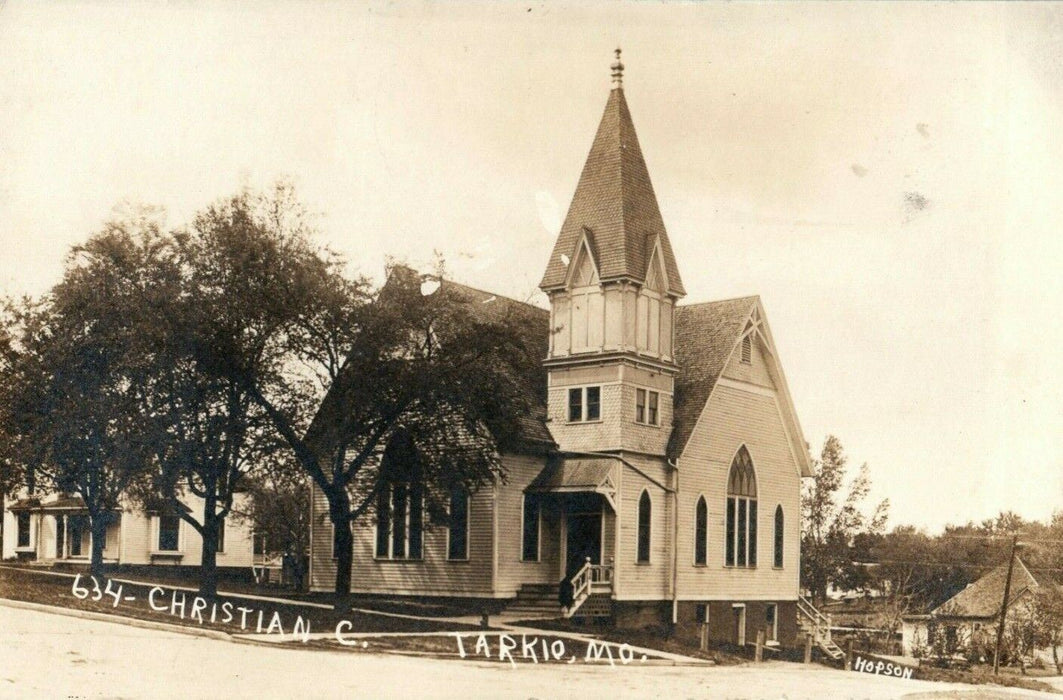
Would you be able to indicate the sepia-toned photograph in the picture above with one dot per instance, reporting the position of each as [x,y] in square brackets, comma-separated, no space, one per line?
[491,349]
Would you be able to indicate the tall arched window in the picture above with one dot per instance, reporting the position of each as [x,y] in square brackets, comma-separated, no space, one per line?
[644,528]
[400,501]
[778,536]
[741,546]
[701,531]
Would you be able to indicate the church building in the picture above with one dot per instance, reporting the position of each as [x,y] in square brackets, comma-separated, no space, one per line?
[662,479]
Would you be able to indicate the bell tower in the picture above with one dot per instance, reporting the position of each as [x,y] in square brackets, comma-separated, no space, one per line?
[613,285]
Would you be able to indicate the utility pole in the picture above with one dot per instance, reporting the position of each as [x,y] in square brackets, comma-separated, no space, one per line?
[1004,604]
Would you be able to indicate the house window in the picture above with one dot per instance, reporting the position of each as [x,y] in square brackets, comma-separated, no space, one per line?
[701,612]
[531,523]
[701,531]
[584,404]
[399,521]
[646,406]
[747,350]
[221,536]
[458,534]
[644,528]
[741,546]
[778,537]
[23,530]
[77,526]
[771,620]
[169,533]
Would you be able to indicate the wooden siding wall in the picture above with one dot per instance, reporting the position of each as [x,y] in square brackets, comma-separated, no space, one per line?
[433,575]
[512,572]
[635,581]
[140,538]
[733,417]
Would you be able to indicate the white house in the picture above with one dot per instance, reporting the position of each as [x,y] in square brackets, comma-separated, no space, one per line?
[55,529]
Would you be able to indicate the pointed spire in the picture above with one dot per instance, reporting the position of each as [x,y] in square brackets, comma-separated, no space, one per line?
[618,71]
[614,200]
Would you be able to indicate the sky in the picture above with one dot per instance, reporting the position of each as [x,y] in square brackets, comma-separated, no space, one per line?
[886,176]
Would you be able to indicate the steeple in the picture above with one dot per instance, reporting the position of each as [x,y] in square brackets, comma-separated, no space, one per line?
[613,285]
[616,204]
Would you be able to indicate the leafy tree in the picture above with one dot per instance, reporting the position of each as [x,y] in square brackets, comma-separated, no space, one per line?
[77,368]
[831,524]
[279,510]
[1046,619]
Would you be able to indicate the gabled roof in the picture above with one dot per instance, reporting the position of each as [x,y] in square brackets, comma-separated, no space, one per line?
[494,307]
[487,307]
[982,598]
[616,202]
[705,335]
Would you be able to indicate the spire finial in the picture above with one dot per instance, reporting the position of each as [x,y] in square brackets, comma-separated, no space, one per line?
[618,70]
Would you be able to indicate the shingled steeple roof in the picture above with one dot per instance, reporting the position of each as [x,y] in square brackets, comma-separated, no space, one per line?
[615,202]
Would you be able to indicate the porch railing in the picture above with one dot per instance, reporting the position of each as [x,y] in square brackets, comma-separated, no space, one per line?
[590,579]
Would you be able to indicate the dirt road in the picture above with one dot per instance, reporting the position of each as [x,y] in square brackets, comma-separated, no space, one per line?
[46,655]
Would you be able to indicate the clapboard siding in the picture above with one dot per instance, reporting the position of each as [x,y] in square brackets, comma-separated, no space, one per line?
[433,574]
[637,581]
[733,417]
[512,572]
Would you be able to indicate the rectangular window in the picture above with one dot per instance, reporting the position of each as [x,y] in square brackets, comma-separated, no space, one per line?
[383,521]
[169,533]
[747,350]
[23,530]
[458,538]
[77,525]
[646,407]
[575,405]
[416,530]
[594,403]
[742,532]
[730,546]
[531,521]
[400,521]
[701,612]
[584,404]
[221,536]
[752,532]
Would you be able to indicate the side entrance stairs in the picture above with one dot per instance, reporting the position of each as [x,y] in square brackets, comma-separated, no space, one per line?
[816,625]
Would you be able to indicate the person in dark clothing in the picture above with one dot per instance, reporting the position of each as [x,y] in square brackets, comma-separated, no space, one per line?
[564,593]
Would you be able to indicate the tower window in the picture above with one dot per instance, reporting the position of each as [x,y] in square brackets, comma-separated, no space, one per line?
[647,407]
[584,404]
[747,350]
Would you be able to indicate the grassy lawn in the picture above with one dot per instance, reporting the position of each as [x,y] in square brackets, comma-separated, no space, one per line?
[40,587]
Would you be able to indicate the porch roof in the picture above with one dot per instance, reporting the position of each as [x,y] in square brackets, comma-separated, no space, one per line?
[36,505]
[574,474]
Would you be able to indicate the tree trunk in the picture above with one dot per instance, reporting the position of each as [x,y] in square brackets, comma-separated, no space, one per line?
[208,563]
[98,526]
[340,515]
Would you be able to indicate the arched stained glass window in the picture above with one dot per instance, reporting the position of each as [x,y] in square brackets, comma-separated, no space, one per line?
[741,546]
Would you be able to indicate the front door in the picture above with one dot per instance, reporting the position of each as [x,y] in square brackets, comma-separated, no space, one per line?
[583,514]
